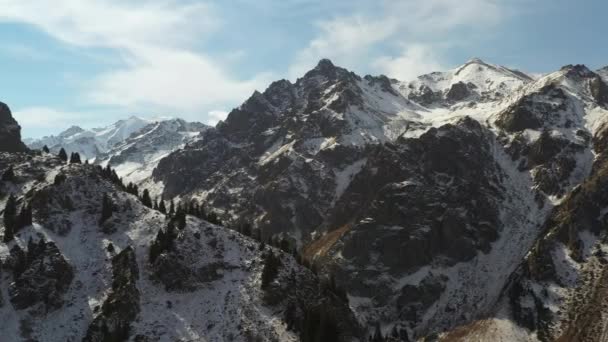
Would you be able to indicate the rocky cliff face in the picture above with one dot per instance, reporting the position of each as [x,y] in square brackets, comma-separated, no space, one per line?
[411,194]
[10,132]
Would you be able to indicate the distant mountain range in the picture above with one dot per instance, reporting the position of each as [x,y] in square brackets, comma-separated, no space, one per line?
[132,146]
[468,204]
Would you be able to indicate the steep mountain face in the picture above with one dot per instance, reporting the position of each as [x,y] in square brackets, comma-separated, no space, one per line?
[74,274]
[421,198]
[10,132]
[294,141]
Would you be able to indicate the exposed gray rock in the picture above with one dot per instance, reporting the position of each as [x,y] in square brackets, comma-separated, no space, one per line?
[121,307]
[413,301]
[10,132]
[41,277]
[458,92]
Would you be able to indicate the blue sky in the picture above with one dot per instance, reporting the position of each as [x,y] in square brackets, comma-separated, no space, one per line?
[92,62]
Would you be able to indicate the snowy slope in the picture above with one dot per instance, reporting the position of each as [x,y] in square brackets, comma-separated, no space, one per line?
[220,296]
[135,157]
[475,81]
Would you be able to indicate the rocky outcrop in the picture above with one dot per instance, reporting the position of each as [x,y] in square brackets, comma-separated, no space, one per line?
[410,207]
[41,277]
[458,92]
[10,132]
[121,307]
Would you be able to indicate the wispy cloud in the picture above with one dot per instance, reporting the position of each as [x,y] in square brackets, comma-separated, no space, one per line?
[415,60]
[36,120]
[418,29]
[161,68]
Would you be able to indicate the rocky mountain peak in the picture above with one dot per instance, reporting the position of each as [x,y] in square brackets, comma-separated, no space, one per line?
[325,69]
[71,131]
[577,71]
[10,132]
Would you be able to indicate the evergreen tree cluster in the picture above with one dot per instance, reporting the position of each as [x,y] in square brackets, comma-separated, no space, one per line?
[319,325]
[63,155]
[312,323]
[59,178]
[107,208]
[9,175]
[13,221]
[45,149]
[396,335]
[23,260]
[271,269]
[164,241]
[132,189]
[75,158]
[146,199]
[111,175]
[329,285]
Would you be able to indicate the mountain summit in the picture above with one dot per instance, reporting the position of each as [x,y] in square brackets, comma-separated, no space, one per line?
[408,193]
[468,204]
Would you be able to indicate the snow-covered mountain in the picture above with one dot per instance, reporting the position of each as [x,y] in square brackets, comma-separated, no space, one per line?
[463,205]
[94,263]
[92,142]
[412,194]
[134,158]
[132,147]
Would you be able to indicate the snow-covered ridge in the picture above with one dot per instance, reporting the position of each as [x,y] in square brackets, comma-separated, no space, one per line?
[135,157]
[91,142]
[132,146]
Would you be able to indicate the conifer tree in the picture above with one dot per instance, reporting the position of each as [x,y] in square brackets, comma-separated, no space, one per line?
[171,208]
[75,158]
[24,218]
[63,155]
[162,208]
[107,207]
[8,174]
[246,229]
[45,149]
[155,205]
[10,218]
[146,199]
[59,178]
[270,270]
[180,219]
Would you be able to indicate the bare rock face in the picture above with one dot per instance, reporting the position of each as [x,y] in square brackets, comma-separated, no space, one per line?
[122,305]
[10,132]
[412,207]
[41,277]
[458,92]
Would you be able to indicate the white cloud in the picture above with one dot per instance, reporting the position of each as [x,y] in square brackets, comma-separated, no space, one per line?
[353,40]
[343,40]
[415,60]
[172,80]
[34,120]
[115,23]
[216,116]
[162,70]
